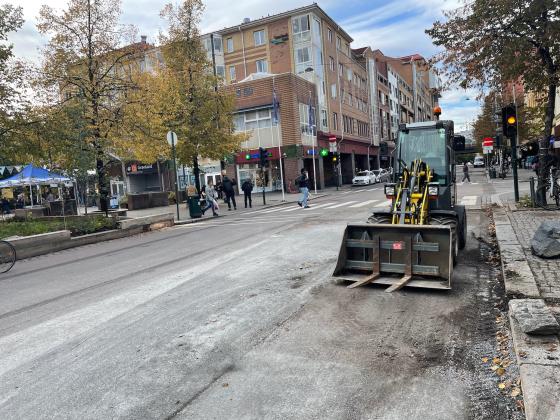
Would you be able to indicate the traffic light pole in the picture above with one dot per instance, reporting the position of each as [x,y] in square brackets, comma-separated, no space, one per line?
[262,181]
[514,164]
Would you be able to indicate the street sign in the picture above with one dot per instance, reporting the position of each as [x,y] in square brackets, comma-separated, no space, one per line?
[332,147]
[488,142]
[171,138]
[487,149]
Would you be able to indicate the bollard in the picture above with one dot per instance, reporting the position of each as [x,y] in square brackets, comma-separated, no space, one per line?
[532,190]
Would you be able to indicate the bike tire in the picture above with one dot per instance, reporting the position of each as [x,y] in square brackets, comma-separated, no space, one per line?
[7,256]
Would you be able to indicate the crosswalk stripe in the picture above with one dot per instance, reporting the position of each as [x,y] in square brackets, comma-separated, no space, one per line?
[374,189]
[273,210]
[313,207]
[365,203]
[384,204]
[469,200]
[340,205]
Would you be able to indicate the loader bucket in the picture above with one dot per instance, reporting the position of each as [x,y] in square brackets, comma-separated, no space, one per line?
[396,255]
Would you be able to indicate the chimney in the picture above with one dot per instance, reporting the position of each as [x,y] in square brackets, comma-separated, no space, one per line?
[246,20]
[143,39]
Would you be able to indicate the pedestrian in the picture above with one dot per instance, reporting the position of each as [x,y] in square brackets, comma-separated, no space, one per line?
[466,173]
[247,188]
[5,206]
[303,182]
[211,196]
[229,191]
[220,190]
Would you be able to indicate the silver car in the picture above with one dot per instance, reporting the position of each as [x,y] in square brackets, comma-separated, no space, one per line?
[381,175]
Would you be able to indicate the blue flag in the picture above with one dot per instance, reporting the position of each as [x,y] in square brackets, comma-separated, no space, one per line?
[275,107]
[311,117]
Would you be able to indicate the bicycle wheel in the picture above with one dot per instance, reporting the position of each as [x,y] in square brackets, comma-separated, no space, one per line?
[7,256]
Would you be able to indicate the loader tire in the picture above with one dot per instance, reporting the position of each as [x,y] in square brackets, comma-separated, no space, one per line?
[451,222]
[462,226]
[379,219]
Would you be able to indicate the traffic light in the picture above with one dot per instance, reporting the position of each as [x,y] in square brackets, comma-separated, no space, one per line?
[324,152]
[263,156]
[509,120]
[335,158]
[498,140]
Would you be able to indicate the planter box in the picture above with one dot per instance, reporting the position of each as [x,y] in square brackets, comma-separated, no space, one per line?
[147,200]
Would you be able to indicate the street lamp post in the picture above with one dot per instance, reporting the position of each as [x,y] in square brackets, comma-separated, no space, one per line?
[172,140]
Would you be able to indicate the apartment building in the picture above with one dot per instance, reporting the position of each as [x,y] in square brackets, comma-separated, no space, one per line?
[354,97]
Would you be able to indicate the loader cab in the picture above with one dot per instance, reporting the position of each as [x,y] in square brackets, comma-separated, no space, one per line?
[430,142]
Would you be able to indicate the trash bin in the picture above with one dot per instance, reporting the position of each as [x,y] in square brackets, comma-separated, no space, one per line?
[193,204]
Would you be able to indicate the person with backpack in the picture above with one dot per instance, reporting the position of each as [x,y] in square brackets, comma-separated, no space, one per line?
[229,191]
[303,182]
[247,188]
[466,173]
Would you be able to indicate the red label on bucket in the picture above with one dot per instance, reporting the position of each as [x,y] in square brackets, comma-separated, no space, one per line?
[398,246]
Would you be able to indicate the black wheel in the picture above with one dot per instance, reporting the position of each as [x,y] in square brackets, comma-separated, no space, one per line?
[379,219]
[452,223]
[7,256]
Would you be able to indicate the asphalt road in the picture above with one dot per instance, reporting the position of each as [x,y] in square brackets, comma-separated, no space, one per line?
[239,318]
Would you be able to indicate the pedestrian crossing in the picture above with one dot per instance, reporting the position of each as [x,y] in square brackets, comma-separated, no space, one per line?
[469,200]
[330,205]
[363,204]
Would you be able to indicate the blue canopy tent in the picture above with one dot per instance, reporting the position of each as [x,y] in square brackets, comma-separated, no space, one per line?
[31,175]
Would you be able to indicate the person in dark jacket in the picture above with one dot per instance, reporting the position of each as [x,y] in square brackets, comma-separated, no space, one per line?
[303,181]
[229,191]
[247,188]
[466,173]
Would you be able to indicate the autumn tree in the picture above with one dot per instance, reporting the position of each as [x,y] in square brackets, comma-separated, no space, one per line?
[90,58]
[11,76]
[490,42]
[189,101]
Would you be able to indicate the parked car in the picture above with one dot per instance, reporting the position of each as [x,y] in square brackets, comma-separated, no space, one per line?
[381,175]
[364,178]
[479,162]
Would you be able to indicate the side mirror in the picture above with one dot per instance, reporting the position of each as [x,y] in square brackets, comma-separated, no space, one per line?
[458,143]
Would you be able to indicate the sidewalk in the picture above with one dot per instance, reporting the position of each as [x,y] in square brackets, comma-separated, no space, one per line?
[533,286]
[273,199]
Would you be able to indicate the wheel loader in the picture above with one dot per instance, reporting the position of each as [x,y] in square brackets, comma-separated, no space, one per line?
[416,241]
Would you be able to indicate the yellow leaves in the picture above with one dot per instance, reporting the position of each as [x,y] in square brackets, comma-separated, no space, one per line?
[515,392]
[485,360]
[500,371]
[502,385]
[496,360]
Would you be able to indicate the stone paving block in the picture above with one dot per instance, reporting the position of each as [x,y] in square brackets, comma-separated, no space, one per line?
[541,391]
[534,349]
[512,252]
[506,234]
[501,218]
[533,316]
[519,280]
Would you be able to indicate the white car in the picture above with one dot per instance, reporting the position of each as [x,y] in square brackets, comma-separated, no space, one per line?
[381,175]
[364,178]
[478,162]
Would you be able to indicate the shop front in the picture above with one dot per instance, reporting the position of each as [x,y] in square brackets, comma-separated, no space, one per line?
[143,177]
[248,168]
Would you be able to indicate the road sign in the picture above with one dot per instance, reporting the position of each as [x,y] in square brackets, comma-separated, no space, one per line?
[171,138]
[488,142]
[332,147]
[487,149]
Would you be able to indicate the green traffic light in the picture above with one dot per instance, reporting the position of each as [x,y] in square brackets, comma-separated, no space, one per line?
[324,152]
[248,156]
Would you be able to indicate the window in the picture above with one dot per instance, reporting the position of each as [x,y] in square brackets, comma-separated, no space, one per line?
[262,66]
[333,91]
[302,55]
[335,120]
[229,44]
[259,37]
[350,100]
[221,71]
[340,69]
[338,42]
[218,44]
[329,35]
[347,49]
[300,28]
[257,119]
[324,118]
[349,74]
[232,73]
[331,63]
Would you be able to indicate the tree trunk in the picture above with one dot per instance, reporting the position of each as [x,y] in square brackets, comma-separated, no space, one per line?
[544,145]
[196,172]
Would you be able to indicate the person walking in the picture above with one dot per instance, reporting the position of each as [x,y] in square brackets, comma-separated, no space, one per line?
[303,184]
[247,188]
[466,173]
[229,191]
[211,196]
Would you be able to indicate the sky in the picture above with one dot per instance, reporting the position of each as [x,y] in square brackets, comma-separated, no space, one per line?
[394,27]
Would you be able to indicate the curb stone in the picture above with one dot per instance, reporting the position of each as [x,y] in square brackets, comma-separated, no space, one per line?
[538,356]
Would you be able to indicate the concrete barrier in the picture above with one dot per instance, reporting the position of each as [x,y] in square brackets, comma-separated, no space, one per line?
[46,243]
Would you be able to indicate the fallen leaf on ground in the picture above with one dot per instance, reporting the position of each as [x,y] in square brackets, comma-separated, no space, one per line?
[494,367]
[496,360]
[520,405]
[515,392]
[522,354]
[484,359]
[500,371]
[501,385]
[225,385]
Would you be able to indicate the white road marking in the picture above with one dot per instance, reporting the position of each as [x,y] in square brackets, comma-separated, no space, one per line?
[365,203]
[341,204]
[384,204]
[313,207]
[469,200]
